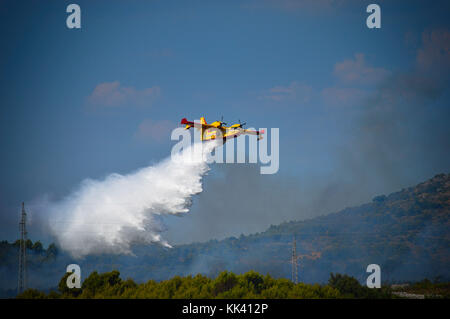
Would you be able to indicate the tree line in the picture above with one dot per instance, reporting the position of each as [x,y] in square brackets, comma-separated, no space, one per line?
[226,285]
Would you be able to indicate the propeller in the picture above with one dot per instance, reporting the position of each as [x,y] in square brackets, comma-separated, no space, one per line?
[222,122]
[240,125]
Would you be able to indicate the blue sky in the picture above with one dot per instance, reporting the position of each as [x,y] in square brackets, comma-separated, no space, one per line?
[360,111]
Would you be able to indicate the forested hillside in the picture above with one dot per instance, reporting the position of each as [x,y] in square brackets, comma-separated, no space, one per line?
[225,285]
[406,233]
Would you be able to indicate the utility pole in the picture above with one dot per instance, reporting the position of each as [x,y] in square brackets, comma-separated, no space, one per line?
[294,262]
[22,283]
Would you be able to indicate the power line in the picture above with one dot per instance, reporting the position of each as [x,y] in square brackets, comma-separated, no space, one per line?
[22,282]
[294,262]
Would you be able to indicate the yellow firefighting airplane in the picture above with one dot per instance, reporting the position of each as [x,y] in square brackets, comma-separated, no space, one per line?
[218,129]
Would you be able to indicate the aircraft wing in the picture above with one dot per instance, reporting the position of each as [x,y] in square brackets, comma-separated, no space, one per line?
[238,132]
[251,132]
[190,124]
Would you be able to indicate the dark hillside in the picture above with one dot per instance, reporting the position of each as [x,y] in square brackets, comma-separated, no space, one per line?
[406,233]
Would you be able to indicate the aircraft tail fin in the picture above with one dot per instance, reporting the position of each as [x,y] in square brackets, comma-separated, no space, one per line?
[202,120]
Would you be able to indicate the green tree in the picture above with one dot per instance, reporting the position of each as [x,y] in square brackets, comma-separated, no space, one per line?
[37,247]
[52,251]
[97,285]
[29,244]
[346,285]
[253,282]
[31,294]
[225,281]
[65,291]
[349,287]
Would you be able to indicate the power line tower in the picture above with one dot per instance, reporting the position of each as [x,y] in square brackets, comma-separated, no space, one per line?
[22,252]
[294,262]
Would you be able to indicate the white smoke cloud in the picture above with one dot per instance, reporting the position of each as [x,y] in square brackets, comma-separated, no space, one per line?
[108,216]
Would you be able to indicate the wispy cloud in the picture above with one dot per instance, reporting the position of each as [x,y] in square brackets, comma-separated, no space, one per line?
[295,91]
[356,80]
[336,96]
[403,131]
[150,130]
[435,52]
[356,71]
[113,94]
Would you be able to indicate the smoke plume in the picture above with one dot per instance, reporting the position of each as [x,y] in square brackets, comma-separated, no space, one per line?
[108,216]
